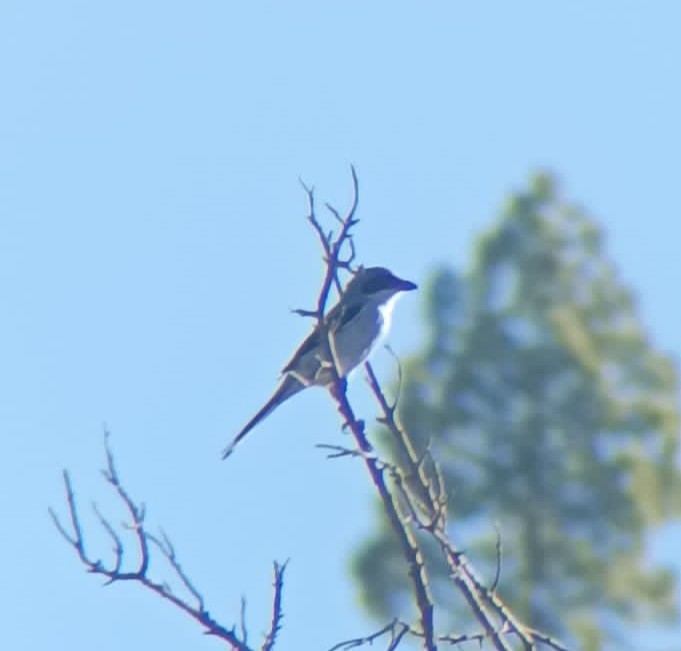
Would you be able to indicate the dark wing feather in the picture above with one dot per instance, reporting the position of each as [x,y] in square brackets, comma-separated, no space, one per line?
[312,341]
[335,319]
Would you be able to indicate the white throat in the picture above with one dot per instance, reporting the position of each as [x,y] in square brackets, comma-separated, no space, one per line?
[386,310]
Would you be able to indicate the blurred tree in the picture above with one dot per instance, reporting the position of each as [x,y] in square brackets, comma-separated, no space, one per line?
[552,415]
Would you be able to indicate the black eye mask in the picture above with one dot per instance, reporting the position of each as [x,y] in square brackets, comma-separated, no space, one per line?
[383,280]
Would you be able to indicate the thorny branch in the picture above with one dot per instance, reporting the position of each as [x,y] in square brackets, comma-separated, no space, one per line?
[194,605]
[331,250]
[413,496]
[397,629]
[424,496]
[416,496]
[332,247]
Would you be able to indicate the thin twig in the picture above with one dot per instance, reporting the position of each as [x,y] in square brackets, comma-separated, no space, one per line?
[338,451]
[331,249]
[242,620]
[114,572]
[396,629]
[497,573]
[277,613]
[435,507]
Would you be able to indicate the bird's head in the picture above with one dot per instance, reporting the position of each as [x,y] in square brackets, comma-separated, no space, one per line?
[376,283]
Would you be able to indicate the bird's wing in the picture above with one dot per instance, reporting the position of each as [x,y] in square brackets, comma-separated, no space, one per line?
[335,319]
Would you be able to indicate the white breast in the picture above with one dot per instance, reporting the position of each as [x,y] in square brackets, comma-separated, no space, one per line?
[369,327]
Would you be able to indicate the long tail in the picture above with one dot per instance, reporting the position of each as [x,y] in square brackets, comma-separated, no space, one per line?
[288,387]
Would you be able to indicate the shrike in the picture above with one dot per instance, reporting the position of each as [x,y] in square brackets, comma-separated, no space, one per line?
[354,326]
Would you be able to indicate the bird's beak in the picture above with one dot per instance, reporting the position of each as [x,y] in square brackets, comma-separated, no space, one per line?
[405,285]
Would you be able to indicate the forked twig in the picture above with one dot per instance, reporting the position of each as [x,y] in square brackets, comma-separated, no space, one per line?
[412,493]
[331,250]
[194,605]
[492,613]
[396,629]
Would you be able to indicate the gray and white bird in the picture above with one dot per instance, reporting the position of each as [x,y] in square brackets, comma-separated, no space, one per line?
[355,325]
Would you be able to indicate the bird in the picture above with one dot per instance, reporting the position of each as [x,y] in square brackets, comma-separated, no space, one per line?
[354,326]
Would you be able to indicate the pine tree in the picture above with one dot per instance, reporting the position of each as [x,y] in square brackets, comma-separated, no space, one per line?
[551,414]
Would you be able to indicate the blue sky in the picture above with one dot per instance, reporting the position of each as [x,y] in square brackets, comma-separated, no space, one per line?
[152,243]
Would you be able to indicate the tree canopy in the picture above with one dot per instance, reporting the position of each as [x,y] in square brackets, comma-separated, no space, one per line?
[553,418]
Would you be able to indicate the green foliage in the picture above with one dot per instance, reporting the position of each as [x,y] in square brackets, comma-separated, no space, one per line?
[552,415]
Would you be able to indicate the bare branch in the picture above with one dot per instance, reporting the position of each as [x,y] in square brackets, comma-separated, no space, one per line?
[412,492]
[396,629]
[497,574]
[337,451]
[117,544]
[485,604]
[277,614]
[114,572]
[455,640]
[331,250]
[332,247]
[308,313]
[549,641]
[242,620]
[166,547]
[398,388]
